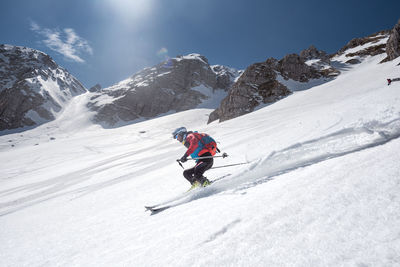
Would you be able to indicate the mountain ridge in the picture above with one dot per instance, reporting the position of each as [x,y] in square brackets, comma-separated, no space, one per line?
[34,89]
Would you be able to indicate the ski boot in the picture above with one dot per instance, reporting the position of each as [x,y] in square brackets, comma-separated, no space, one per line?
[194,185]
[204,181]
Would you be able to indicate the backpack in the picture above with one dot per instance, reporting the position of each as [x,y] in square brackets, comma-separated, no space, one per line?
[206,143]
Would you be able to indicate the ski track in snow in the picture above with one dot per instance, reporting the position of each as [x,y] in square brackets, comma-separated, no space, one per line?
[300,155]
[223,231]
[334,145]
[58,186]
[337,144]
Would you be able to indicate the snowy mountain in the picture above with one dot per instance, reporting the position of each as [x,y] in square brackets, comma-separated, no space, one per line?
[177,84]
[319,187]
[267,82]
[33,88]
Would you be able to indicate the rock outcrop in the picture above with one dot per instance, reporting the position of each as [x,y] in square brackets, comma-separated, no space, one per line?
[260,84]
[96,88]
[313,53]
[177,84]
[293,67]
[225,76]
[358,42]
[393,44]
[360,48]
[33,88]
[256,85]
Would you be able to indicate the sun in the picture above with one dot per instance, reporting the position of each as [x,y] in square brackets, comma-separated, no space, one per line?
[130,10]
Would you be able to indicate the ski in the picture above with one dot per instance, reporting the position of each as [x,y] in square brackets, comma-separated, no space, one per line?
[154,209]
[157,210]
[220,178]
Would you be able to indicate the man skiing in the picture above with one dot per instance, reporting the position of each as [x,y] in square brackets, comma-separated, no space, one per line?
[201,147]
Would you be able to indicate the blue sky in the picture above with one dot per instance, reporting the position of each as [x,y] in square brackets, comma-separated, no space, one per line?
[106,41]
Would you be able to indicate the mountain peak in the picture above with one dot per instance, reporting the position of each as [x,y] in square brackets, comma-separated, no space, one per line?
[176,84]
[192,56]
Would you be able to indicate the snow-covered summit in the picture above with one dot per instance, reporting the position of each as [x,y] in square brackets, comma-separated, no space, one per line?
[175,84]
[193,56]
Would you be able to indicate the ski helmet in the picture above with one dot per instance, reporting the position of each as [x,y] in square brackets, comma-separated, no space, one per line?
[181,131]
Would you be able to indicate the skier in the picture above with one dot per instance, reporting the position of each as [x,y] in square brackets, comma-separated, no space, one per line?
[199,145]
[389,81]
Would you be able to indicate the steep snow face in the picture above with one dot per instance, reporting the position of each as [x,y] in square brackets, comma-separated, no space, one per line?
[321,187]
[33,88]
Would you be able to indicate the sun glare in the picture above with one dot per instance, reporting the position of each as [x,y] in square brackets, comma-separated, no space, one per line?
[130,10]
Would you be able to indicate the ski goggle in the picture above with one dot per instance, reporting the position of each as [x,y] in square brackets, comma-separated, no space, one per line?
[180,137]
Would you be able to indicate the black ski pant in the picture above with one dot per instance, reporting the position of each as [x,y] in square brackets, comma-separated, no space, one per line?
[196,173]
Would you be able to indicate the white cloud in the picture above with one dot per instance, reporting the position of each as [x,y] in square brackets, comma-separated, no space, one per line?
[65,42]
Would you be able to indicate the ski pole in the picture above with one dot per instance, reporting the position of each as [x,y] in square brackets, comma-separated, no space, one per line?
[224,155]
[230,165]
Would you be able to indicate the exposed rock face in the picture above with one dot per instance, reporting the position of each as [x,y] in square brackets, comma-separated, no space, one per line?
[353,61]
[393,44]
[256,85]
[225,76]
[356,42]
[263,83]
[33,88]
[259,83]
[313,53]
[319,61]
[96,88]
[293,67]
[359,48]
[177,84]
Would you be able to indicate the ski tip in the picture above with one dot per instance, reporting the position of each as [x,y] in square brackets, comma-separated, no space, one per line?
[148,208]
[155,211]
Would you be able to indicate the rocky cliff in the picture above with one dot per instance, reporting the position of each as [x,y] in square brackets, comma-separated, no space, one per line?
[264,83]
[393,44]
[33,88]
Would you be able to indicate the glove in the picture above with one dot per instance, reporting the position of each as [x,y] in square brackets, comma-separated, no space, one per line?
[183,159]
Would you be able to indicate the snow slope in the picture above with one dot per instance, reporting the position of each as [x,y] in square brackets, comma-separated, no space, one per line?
[321,189]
